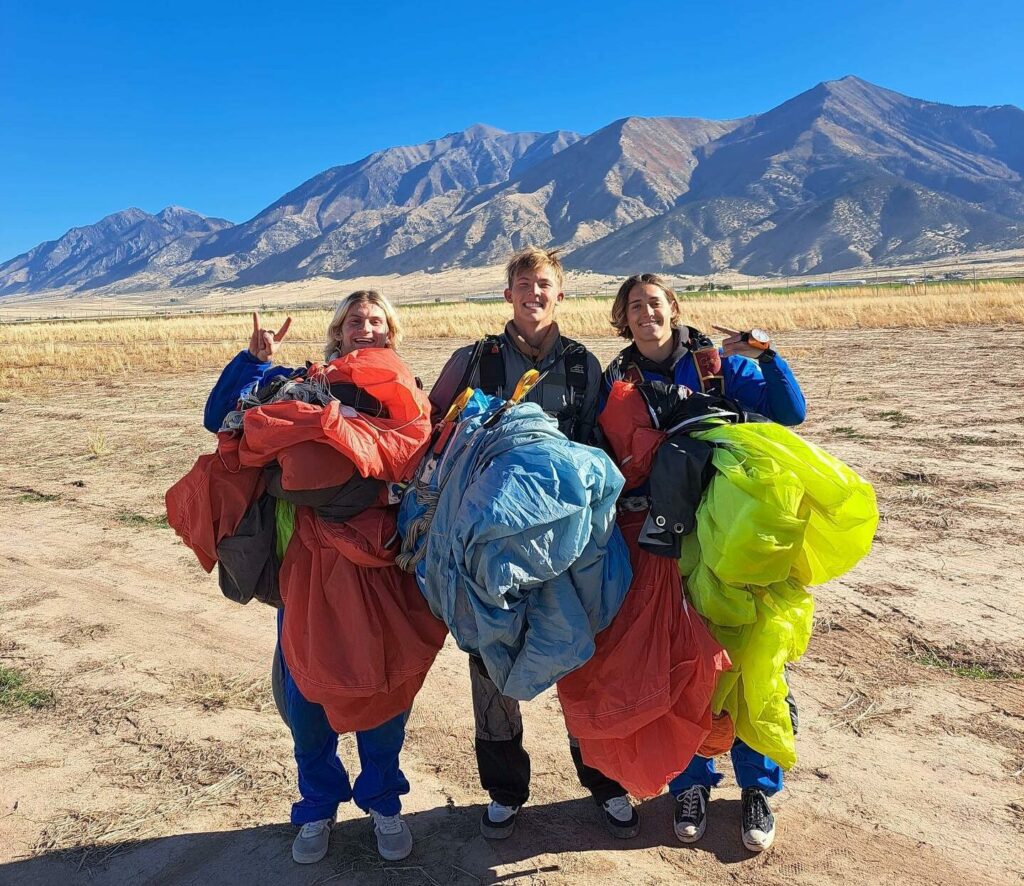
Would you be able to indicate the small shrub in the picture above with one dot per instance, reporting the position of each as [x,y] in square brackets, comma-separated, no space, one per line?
[15,694]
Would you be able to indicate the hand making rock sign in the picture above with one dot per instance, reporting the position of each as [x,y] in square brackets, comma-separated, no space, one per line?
[264,343]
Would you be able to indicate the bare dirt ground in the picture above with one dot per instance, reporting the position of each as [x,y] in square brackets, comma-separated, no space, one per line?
[163,760]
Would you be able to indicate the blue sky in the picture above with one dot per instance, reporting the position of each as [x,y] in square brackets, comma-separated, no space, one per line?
[224,107]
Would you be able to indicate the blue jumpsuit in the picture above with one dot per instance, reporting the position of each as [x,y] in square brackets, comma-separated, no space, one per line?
[766,386]
[323,782]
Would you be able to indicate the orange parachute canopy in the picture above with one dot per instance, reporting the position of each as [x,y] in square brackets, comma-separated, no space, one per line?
[641,707]
[626,425]
[358,635]
[207,504]
[385,448]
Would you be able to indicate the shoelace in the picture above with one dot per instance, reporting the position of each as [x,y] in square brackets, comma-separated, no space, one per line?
[755,812]
[312,828]
[388,824]
[693,799]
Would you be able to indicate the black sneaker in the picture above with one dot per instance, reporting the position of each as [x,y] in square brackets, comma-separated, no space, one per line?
[620,818]
[498,822]
[691,818]
[758,821]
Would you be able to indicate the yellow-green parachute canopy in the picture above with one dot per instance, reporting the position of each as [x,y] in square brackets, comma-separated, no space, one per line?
[779,514]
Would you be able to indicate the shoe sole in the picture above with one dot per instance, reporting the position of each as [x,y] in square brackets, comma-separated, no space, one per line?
[691,838]
[623,833]
[309,859]
[394,856]
[496,833]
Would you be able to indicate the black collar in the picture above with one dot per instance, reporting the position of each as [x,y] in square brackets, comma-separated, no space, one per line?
[681,347]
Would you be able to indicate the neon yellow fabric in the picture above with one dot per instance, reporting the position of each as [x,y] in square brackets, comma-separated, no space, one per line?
[284,512]
[778,515]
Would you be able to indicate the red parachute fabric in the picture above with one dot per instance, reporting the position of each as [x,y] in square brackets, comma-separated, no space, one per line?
[626,424]
[207,504]
[722,737]
[641,707]
[384,448]
[358,635]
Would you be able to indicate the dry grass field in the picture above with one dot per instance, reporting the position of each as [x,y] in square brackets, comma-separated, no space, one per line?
[34,351]
[140,744]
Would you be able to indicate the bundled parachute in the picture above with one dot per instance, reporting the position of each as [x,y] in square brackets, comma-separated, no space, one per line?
[293,507]
[512,536]
[778,514]
[510,531]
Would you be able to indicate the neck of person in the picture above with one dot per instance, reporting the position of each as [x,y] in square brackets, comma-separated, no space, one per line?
[657,352]
[533,334]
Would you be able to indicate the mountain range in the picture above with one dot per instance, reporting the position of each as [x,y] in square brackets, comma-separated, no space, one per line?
[845,175]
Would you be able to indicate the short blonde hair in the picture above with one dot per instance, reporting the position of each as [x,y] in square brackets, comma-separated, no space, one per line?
[621,303]
[361,297]
[533,258]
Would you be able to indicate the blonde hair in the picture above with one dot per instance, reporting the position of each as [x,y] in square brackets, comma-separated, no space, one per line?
[621,302]
[361,297]
[533,258]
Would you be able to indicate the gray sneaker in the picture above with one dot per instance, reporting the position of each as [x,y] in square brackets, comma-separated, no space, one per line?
[620,818]
[394,839]
[312,840]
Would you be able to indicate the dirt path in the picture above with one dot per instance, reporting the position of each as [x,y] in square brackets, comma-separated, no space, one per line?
[164,761]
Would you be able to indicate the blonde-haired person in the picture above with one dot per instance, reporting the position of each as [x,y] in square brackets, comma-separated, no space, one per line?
[364,319]
[569,393]
[747,370]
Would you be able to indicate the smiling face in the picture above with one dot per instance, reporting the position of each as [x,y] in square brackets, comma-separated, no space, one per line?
[364,326]
[649,314]
[533,296]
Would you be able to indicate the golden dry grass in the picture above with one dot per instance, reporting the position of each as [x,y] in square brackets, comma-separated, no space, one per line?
[36,352]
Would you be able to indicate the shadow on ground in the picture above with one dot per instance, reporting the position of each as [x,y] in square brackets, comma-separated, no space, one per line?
[449,850]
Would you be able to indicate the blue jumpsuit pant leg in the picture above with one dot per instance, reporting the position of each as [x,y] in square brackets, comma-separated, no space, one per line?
[755,770]
[381,783]
[323,782]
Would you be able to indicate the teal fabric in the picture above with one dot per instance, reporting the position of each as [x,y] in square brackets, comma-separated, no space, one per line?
[524,562]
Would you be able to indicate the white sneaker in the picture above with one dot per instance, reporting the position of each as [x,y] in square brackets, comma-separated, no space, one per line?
[311,842]
[394,839]
[498,822]
[620,818]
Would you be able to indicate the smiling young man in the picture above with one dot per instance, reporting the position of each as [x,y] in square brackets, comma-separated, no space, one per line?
[748,371]
[568,392]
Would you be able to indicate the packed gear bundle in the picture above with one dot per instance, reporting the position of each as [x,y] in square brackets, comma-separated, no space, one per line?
[296,496]
[777,514]
[641,707]
[520,557]
[509,527]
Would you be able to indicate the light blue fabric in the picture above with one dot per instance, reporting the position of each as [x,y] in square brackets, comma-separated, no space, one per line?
[524,562]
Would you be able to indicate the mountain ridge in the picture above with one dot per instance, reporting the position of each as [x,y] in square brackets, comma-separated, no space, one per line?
[845,174]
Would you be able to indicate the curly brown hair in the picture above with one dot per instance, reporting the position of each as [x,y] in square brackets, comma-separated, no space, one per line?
[621,302]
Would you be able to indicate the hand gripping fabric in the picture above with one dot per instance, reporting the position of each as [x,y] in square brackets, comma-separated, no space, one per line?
[523,561]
